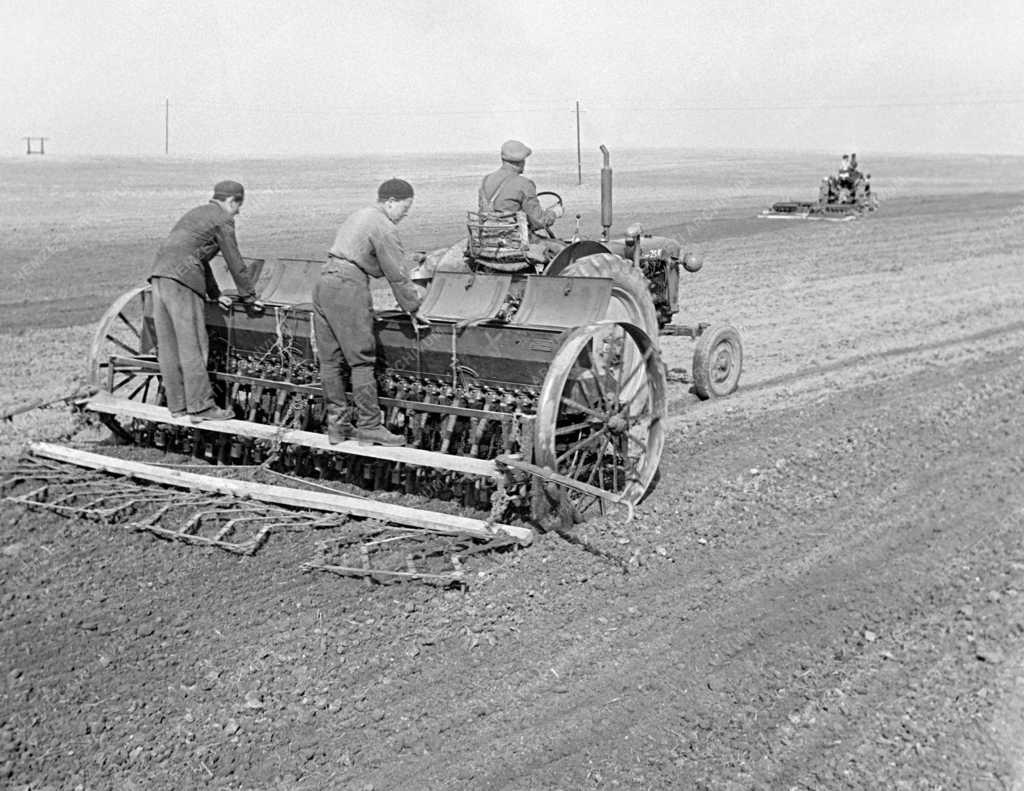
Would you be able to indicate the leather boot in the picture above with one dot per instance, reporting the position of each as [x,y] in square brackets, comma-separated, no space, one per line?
[339,424]
[379,436]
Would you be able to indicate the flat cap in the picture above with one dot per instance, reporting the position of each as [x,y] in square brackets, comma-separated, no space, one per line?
[223,190]
[514,151]
[395,189]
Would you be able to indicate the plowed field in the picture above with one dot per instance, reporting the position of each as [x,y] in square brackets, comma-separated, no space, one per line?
[825,590]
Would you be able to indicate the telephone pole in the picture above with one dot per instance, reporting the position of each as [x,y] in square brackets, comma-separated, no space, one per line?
[167,126]
[579,158]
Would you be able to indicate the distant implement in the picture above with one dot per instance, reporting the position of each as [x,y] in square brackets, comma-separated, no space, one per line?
[845,195]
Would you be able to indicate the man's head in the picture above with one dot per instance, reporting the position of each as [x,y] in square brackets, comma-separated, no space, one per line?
[395,195]
[515,153]
[230,195]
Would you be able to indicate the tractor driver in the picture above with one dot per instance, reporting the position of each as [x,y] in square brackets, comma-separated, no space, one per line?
[844,177]
[366,246]
[507,190]
[180,279]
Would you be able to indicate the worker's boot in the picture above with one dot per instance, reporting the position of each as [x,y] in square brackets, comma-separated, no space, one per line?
[339,424]
[371,430]
[212,413]
[379,436]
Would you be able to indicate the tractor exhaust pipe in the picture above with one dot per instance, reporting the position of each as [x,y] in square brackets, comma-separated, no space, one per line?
[606,194]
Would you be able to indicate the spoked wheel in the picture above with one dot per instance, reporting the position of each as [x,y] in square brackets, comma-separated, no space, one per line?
[122,334]
[602,406]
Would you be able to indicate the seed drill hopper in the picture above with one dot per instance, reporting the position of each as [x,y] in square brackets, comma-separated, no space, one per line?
[534,386]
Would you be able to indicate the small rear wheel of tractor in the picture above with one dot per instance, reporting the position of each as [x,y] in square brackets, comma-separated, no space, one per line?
[717,361]
[602,407]
[631,295]
[122,334]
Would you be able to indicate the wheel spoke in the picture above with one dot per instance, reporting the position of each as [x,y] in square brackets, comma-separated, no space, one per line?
[642,365]
[594,470]
[582,408]
[135,392]
[126,347]
[130,325]
[573,427]
[630,467]
[637,419]
[602,393]
[591,500]
[575,464]
[584,442]
[122,383]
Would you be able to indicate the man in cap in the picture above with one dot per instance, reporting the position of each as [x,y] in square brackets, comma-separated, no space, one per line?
[366,246]
[180,280]
[507,190]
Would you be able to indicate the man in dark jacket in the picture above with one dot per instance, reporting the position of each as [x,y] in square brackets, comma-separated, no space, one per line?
[180,280]
[366,246]
[507,190]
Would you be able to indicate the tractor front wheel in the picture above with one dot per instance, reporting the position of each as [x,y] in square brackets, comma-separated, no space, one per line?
[717,361]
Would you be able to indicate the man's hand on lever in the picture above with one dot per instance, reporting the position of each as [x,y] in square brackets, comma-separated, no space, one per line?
[249,302]
[419,320]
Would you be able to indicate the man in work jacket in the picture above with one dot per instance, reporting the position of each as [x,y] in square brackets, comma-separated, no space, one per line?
[366,246]
[181,278]
[507,190]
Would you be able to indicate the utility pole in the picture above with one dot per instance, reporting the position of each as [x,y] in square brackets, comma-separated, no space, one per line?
[167,125]
[579,158]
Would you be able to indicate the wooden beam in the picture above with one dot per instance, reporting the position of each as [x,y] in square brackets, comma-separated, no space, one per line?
[285,495]
[105,403]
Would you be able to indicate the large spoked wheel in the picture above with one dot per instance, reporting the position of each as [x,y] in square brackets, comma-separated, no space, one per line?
[122,338]
[602,408]
[717,361]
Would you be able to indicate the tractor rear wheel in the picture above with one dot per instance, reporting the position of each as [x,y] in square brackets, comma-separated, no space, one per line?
[631,295]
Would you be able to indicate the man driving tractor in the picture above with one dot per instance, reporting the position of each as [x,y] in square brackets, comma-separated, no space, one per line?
[507,190]
[847,186]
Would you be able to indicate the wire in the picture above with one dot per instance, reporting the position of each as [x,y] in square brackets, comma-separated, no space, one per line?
[407,112]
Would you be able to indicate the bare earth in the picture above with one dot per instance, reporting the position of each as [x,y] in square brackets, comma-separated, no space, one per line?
[825,590]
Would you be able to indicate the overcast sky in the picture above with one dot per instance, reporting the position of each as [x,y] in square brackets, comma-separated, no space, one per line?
[340,77]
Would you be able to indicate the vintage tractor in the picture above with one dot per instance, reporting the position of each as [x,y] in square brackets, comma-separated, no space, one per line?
[538,384]
[843,196]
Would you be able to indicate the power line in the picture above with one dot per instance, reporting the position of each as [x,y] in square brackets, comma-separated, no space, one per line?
[364,112]
[819,106]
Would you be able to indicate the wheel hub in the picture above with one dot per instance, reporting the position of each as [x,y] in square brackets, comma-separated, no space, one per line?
[617,424]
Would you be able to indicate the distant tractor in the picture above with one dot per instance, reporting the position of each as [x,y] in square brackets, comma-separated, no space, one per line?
[845,195]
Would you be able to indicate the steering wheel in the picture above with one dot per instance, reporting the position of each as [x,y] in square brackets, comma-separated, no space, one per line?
[556,202]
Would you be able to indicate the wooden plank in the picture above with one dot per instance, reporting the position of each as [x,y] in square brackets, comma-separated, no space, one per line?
[105,403]
[447,524]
